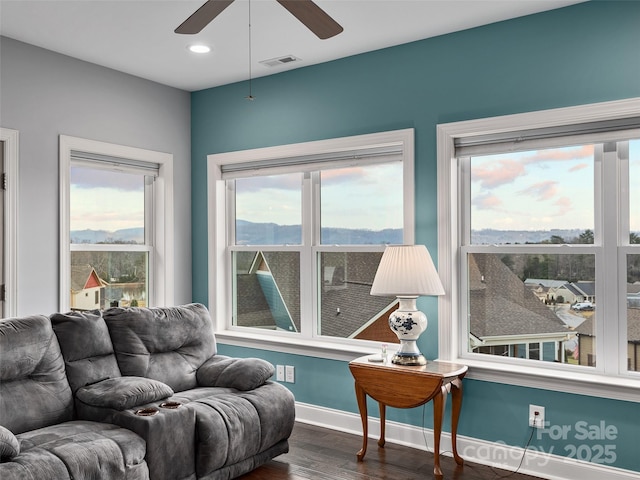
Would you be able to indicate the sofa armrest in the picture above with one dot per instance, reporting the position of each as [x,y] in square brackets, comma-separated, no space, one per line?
[239,373]
[121,393]
[9,444]
[170,434]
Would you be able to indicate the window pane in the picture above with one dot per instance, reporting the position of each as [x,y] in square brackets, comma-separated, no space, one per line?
[633,312]
[269,210]
[634,190]
[266,290]
[106,279]
[362,205]
[347,309]
[542,196]
[532,306]
[106,206]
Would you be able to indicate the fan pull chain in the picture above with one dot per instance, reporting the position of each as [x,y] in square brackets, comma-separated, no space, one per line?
[250,96]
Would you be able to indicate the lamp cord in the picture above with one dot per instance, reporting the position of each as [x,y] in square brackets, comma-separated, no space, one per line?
[524,453]
[497,474]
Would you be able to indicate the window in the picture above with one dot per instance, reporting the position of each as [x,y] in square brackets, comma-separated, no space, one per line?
[299,231]
[116,218]
[539,249]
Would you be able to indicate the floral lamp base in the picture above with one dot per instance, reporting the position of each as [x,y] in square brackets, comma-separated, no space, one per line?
[408,323]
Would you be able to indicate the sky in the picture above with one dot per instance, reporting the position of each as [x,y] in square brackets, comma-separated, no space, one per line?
[543,189]
[353,197]
[536,190]
[105,200]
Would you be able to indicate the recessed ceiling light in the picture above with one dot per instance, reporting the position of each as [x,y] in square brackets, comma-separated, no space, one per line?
[199,48]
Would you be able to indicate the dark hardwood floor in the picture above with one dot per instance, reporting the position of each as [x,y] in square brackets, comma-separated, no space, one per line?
[321,454]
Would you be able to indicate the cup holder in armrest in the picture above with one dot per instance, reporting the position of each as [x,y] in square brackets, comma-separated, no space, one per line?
[170,405]
[146,412]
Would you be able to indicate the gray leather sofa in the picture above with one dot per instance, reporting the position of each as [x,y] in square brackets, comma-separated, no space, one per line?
[134,393]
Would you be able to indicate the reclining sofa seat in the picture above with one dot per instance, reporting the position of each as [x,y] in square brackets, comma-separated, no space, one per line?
[242,419]
[231,419]
[40,436]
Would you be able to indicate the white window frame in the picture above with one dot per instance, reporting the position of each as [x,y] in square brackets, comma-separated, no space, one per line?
[11,141]
[220,294]
[601,383]
[161,268]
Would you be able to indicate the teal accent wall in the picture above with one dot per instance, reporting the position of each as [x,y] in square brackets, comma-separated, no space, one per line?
[581,54]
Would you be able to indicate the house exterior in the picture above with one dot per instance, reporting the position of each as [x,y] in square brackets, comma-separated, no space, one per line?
[587,340]
[87,289]
[633,295]
[532,329]
[541,287]
[586,291]
[574,292]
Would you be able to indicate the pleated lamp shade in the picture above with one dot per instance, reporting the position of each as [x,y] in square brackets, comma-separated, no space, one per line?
[406,270]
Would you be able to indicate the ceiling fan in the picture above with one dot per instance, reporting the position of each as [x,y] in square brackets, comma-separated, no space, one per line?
[310,14]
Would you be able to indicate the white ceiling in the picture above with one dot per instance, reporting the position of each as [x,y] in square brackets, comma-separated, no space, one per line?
[136,36]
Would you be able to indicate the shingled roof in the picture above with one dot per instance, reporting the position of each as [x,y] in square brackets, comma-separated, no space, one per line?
[587,289]
[501,304]
[252,306]
[633,326]
[356,307]
[347,308]
[545,282]
[84,276]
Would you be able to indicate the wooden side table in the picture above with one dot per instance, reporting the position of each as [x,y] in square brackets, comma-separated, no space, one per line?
[407,387]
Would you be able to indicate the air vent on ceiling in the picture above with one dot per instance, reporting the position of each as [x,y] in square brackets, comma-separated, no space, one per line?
[275,62]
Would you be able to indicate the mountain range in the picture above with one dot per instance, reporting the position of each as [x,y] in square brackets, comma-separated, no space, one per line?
[501,237]
[251,233]
[125,235]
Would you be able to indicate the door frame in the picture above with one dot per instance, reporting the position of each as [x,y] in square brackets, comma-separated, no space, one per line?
[10,143]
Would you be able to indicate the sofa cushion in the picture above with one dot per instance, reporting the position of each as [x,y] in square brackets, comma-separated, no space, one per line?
[166,344]
[235,426]
[34,391]
[9,445]
[86,347]
[239,373]
[123,392]
[86,450]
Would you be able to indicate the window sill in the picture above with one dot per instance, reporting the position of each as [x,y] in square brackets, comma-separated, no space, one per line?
[590,384]
[625,388]
[296,345]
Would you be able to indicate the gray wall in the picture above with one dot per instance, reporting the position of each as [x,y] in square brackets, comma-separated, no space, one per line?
[43,95]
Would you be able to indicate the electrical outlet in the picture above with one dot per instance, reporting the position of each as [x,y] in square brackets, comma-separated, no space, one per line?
[290,375]
[280,373]
[536,416]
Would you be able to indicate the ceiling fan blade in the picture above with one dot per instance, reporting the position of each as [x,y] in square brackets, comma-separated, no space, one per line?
[201,17]
[313,17]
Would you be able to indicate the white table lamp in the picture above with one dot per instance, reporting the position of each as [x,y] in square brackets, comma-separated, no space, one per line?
[407,272]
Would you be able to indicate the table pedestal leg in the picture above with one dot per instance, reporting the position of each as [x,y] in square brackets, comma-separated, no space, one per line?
[456,406]
[383,422]
[361,396]
[438,410]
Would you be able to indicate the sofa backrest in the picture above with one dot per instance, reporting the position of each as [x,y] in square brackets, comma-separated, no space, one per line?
[34,391]
[86,347]
[168,344]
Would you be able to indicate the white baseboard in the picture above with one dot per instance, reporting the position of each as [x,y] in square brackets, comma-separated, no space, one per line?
[494,454]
